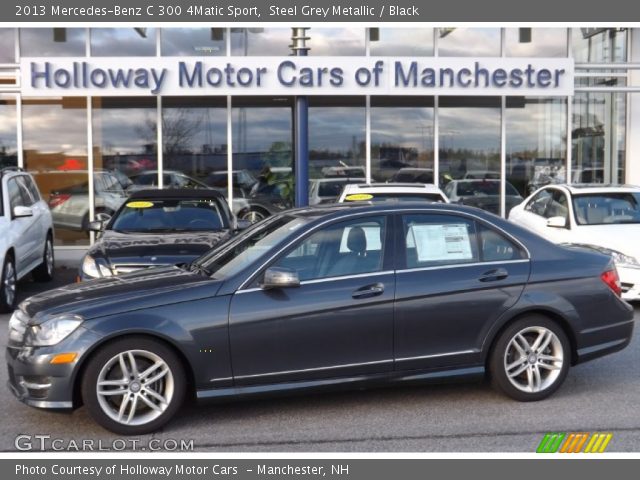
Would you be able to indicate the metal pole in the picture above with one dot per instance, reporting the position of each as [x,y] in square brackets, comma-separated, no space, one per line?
[301,128]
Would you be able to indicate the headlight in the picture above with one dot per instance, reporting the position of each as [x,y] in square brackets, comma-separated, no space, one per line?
[52,331]
[94,269]
[619,258]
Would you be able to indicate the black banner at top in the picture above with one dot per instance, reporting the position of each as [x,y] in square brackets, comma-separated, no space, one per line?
[307,11]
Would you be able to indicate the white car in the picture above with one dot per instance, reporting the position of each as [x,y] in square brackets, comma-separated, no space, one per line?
[26,234]
[407,192]
[327,190]
[603,218]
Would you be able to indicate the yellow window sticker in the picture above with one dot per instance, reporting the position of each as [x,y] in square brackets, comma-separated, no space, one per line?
[140,204]
[356,197]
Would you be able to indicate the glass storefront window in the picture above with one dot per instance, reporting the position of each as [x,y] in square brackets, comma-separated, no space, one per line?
[262,151]
[260,41]
[598,137]
[469,42]
[536,142]
[410,42]
[8,132]
[470,151]
[193,41]
[536,42]
[124,147]
[336,145]
[55,152]
[402,139]
[194,132]
[52,42]
[7,45]
[126,42]
[599,45]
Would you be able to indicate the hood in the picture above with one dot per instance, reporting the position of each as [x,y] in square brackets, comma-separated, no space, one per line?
[107,296]
[622,237]
[155,249]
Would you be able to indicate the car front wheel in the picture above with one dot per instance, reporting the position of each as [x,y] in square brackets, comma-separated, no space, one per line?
[134,386]
[531,358]
[8,285]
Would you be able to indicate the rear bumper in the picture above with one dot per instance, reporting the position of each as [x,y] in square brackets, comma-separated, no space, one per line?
[603,340]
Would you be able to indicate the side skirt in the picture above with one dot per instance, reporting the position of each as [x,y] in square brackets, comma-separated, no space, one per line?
[342,383]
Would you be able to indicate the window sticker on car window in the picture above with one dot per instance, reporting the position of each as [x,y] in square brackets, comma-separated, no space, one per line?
[140,204]
[357,197]
[440,242]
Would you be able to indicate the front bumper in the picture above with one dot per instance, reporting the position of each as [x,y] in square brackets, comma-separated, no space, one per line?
[630,280]
[36,382]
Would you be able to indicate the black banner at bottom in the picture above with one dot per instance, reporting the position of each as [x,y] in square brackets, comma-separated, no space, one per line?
[584,467]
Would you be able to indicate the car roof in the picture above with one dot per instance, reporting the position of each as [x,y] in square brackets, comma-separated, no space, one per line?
[336,209]
[176,193]
[585,188]
[393,187]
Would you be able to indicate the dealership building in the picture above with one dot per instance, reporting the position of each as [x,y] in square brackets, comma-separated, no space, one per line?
[90,110]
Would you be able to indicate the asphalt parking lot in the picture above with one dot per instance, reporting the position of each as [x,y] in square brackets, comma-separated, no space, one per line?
[600,396]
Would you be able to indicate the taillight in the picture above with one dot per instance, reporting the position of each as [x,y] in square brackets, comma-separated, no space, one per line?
[58,199]
[611,278]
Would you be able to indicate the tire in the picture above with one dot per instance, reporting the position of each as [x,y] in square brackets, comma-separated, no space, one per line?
[45,271]
[106,366]
[8,282]
[254,215]
[524,373]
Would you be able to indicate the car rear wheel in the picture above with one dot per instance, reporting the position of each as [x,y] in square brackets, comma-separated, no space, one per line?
[44,272]
[531,358]
[134,386]
[8,285]
[254,215]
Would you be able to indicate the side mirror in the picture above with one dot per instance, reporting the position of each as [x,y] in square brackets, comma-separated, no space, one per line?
[20,211]
[278,277]
[96,226]
[557,222]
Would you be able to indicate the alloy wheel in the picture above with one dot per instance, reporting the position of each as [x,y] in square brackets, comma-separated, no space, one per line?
[533,359]
[9,282]
[135,387]
[48,257]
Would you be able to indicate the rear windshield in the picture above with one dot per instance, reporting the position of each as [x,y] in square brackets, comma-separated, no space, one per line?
[407,197]
[607,208]
[156,216]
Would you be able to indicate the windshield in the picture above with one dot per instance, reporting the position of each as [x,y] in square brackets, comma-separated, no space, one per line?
[607,208]
[235,255]
[155,216]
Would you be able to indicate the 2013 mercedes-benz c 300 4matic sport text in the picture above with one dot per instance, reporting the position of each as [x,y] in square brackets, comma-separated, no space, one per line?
[316,298]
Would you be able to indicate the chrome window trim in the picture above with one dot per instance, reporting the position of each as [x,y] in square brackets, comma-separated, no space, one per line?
[379,212]
[460,265]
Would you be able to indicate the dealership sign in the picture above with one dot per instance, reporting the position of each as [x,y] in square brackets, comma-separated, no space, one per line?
[110,76]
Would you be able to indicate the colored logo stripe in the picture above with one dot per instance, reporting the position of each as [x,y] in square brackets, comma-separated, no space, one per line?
[557,442]
[598,443]
[550,443]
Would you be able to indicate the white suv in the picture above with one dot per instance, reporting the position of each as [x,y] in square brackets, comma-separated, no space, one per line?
[26,234]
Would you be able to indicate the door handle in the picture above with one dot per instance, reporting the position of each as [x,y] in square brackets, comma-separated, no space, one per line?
[494,275]
[369,291]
